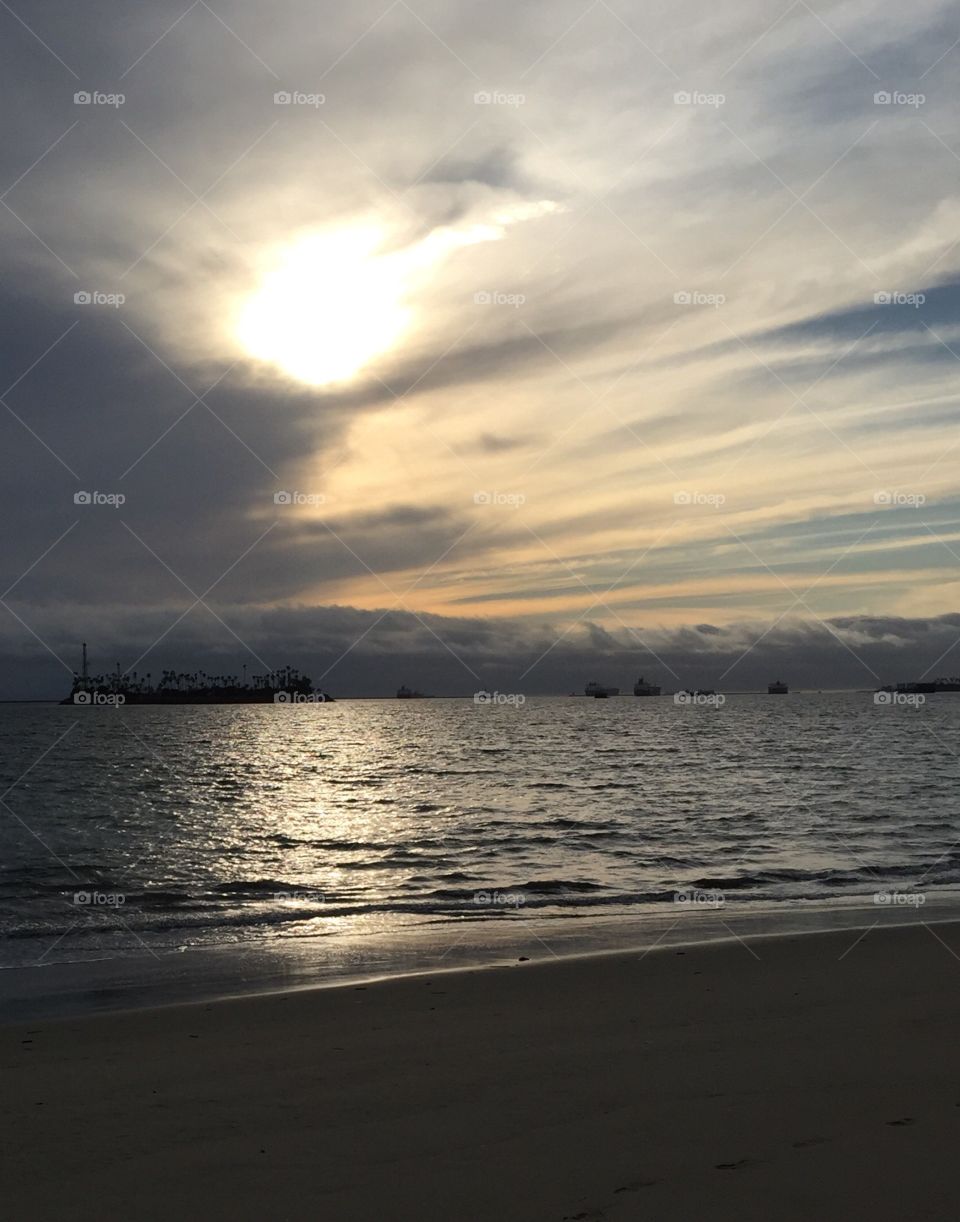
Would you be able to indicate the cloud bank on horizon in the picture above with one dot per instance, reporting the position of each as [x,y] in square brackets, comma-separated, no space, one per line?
[572,324]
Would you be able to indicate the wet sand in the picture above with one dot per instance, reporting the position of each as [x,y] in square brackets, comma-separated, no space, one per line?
[813,1077]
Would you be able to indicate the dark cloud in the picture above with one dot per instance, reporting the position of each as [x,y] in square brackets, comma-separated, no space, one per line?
[940,306]
[495,168]
[497,443]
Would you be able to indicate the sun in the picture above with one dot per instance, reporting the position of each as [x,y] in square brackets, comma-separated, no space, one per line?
[328,305]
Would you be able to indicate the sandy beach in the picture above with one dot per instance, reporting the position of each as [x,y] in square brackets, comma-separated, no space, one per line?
[790,1077]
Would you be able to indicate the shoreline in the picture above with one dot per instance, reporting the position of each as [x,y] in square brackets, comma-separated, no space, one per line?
[266,967]
[800,1076]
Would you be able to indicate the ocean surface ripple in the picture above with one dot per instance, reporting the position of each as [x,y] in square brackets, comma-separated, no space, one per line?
[129,829]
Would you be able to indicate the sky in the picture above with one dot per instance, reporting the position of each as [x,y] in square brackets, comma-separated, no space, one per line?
[460,345]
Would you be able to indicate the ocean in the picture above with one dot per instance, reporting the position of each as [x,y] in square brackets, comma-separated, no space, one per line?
[153,853]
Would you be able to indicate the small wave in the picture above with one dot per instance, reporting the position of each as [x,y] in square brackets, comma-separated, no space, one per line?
[556,886]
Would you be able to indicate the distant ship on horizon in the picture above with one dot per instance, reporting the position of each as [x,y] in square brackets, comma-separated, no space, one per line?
[642,688]
[926,686]
[777,688]
[406,693]
[599,691]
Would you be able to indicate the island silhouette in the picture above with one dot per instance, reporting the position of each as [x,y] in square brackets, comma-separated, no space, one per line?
[283,686]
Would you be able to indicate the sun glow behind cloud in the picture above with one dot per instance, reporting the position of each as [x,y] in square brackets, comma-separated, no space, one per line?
[327,307]
[330,303]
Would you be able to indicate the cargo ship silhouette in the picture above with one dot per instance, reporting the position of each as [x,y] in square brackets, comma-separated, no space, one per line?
[599,691]
[927,686]
[643,688]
